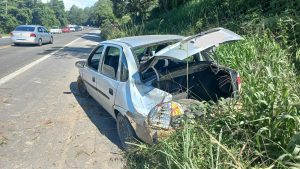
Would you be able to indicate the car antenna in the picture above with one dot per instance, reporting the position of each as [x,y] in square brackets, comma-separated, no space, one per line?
[187,71]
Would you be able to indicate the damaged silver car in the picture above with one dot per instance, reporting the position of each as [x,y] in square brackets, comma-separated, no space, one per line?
[144,82]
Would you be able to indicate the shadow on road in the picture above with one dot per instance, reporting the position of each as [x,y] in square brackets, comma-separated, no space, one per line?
[77,52]
[93,37]
[24,45]
[101,119]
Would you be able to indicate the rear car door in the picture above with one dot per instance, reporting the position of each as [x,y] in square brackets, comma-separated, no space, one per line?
[47,35]
[90,72]
[108,80]
[40,34]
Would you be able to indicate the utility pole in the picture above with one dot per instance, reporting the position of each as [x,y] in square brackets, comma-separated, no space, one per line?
[6,7]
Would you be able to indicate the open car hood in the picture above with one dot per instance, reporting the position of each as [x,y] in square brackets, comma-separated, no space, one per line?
[192,45]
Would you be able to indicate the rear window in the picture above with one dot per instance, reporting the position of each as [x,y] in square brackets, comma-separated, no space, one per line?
[25,28]
[55,27]
[144,53]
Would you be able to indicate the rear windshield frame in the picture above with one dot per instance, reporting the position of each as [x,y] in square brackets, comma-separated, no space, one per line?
[25,28]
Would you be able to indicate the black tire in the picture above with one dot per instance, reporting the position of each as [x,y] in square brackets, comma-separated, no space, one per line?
[51,40]
[17,44]
[82,88]
[125,131]
[40,42]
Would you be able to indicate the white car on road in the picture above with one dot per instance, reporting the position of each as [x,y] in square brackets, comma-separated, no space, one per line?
[145,82]
[55,29]
[31,34]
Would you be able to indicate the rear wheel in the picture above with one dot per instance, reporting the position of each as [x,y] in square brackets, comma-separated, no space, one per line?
[40,43]
[125,131]
[51,40]
[82,88]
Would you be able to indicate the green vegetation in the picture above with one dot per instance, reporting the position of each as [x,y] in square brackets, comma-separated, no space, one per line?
[261,128]
[31,12]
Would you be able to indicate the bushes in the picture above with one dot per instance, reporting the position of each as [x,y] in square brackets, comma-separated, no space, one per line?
[257,134]
[262,128]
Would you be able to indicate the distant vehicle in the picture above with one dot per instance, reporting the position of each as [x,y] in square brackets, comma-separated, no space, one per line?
[31,34]
[147,82]
[72,29]
[78,28]
[66,30]
[55,29]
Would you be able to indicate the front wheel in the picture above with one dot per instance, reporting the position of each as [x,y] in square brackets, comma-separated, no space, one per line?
[82,88]
[125,131]
[51,40]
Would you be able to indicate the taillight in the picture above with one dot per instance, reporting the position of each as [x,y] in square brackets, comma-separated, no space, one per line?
[32,35]
[239,82]
[11,34]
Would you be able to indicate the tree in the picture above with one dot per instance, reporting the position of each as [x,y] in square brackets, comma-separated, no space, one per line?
[76,15]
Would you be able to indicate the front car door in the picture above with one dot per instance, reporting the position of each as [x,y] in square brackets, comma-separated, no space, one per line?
[108,79]
[90,72]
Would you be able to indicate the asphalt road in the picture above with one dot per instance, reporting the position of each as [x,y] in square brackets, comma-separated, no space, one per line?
[14,57]
[44,123]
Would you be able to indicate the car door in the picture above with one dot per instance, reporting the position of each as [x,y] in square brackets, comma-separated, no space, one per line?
[108,79]
[90,72]
[47,35]
[40,34]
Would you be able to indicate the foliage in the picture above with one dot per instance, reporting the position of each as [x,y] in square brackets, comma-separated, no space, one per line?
[260,129]
[32,12]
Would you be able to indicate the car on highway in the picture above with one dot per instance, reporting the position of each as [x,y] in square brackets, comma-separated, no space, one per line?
[66,30]
[145,82]
[55,30]
[72,28]
[78,28]
[31,34]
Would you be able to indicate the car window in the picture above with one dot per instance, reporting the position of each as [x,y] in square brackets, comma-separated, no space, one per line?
[44,29]
[93,60]
[25,28]
[111,62]
[40,29]
[124,69]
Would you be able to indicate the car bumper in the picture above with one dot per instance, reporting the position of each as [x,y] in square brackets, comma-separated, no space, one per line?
[32,40]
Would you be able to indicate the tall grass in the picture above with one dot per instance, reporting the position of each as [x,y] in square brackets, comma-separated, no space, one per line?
[263,132]
[260,129]
[282,18]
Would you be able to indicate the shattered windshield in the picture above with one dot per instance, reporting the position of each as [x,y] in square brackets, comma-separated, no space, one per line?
[144,53]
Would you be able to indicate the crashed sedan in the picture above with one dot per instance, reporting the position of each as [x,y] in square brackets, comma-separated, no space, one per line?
[145,81]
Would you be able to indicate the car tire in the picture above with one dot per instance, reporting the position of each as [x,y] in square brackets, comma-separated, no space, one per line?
[16,44]
[40,42]
[125,131]
[51,40]
[82,88]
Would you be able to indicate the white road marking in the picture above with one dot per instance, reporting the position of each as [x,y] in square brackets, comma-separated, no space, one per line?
[30,65]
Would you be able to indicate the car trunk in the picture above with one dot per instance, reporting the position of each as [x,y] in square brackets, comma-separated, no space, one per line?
[205,81]
[186,70]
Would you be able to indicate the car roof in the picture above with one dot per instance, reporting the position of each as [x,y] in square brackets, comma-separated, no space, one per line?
[144,40]
[29,25]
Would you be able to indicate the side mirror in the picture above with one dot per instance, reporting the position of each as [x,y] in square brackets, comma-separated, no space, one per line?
[80,64]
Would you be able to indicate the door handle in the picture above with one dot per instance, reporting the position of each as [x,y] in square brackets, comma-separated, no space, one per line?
[93,79]
[111,92]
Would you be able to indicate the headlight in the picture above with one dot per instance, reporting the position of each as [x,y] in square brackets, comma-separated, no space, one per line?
[160,116]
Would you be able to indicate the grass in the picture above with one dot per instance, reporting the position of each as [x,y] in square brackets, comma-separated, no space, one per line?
[264,131]
[260,134]
[4,35]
